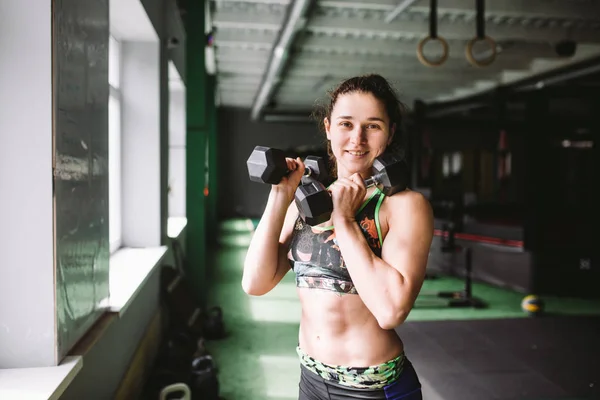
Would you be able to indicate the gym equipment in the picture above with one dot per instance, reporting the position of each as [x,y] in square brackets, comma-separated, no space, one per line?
[268,165]
[314,202]
[457,299]
[187,316]
[178,350]
[389,173]
[176,388]
[205,384]
[433,36]
[448,238]
[213,326]
[532,305]
[179,299]
[448,245]
[163,382]
[480,36]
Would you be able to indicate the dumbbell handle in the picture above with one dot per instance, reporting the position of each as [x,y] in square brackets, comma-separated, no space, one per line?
[372,180]
[307,171]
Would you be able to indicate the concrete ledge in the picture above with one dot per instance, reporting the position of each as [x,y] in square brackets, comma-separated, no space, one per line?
[47,383]
[129,270]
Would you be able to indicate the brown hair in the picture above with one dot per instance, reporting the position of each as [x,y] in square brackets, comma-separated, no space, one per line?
[381,89]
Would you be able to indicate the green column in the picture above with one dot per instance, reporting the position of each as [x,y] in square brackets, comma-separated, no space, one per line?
[212,158]
[196,135]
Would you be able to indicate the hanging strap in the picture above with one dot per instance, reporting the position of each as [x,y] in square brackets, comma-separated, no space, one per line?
[480,16]
[433,19]
[480,36]
[433,36]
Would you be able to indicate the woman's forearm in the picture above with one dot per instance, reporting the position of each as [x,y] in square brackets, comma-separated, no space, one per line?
[376,281]
[262,258]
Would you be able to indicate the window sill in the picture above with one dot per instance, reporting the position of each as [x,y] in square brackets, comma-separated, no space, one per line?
[129,271]
[130,268]
[39,383]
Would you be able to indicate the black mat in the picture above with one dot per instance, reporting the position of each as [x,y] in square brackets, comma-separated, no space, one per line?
[517,359]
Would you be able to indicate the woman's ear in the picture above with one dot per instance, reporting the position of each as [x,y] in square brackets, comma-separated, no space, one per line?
[327,127]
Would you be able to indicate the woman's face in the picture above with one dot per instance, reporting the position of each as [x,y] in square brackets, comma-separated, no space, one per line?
[359,131]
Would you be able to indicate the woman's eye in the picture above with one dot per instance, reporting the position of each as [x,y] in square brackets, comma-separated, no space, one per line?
[373,126]
[346,124]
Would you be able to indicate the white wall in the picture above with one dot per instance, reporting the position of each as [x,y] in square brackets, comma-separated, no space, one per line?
[27,330]
[141,144]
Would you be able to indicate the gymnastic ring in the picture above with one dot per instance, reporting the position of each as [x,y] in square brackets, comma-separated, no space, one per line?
[469,52]
[427,62]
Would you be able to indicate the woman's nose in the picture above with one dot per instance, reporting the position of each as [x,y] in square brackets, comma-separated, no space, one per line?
[358,135]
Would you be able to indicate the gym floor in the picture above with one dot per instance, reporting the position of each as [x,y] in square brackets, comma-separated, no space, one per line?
[493,353]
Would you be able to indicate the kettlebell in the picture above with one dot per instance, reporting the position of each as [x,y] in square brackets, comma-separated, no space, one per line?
[176,388]
[179,350]
[214,327]
[205,384]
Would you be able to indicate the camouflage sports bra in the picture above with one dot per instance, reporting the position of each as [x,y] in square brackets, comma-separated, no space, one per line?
[314,254]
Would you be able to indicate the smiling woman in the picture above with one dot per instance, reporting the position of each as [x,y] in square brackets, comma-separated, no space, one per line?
[358,274]
[386,113]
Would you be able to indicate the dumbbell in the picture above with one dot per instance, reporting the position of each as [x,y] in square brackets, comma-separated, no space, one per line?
[268,165]
[389,173]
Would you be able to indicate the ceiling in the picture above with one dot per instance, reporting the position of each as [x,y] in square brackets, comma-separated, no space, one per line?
[280,56]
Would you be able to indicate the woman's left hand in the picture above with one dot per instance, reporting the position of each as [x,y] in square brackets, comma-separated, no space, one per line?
[347,195]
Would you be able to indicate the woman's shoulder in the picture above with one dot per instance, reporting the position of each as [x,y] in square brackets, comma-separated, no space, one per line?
[407,203]
[409,198]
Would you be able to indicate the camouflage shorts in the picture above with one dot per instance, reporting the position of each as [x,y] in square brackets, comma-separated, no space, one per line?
[372,377]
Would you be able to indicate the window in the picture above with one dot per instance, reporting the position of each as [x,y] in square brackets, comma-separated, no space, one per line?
[114,144]
[445,165]
[456,163]
[177,144]
[451,164]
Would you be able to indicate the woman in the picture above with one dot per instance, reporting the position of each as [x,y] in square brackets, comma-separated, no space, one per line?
[358,274]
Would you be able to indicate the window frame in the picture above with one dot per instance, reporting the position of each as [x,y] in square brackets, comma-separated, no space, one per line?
[115,138]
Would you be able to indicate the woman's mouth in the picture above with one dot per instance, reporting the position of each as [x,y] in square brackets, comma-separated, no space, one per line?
[356,153]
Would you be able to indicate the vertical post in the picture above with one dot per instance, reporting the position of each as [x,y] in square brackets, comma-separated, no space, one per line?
[196,133]
[164,124]
[468,272]
[420,149]
[212,156]
[500,153]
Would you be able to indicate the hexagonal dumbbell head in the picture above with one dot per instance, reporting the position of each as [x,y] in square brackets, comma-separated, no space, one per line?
[317,169]
[266,165]
[390,172]
[314,202]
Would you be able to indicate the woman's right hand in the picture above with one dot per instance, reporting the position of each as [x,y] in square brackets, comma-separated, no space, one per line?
[290,182]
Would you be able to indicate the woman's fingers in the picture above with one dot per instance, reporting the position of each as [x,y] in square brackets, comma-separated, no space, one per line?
[291,164]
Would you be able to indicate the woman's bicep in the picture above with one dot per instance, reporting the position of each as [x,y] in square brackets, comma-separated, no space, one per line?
[406,246]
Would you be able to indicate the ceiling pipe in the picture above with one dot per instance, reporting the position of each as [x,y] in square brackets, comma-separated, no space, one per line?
[403,5]
[295,21]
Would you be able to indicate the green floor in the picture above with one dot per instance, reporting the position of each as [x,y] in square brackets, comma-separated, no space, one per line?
[258,360]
